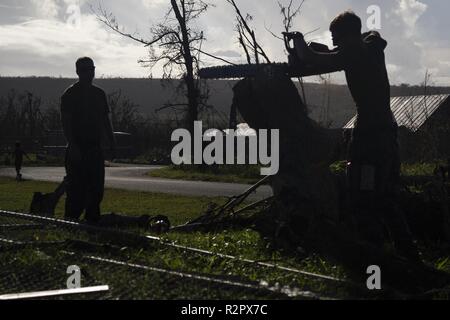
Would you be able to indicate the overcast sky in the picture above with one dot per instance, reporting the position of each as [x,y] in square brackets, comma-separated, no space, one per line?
[42,38]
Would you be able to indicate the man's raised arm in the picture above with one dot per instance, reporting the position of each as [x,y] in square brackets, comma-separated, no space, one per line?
[320,62]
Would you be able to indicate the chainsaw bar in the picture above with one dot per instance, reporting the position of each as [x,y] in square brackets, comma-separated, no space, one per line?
[252,70]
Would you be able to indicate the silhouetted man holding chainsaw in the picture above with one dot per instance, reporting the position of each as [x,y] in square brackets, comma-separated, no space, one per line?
[85,120]
[374,166]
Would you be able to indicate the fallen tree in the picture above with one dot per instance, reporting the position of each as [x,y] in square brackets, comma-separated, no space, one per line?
[309,209]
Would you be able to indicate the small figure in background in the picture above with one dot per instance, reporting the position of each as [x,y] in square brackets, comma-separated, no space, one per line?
[18,159]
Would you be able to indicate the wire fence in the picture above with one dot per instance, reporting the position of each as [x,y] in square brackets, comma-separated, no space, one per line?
[35,253]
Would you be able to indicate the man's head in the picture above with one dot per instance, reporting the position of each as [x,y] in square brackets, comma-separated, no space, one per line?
[346,28]
[18,144]
[85,70]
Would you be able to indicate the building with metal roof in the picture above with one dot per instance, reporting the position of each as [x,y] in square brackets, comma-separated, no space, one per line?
[413,112]
[424,123]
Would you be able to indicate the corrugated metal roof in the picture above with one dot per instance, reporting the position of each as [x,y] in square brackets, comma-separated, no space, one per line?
[412,111]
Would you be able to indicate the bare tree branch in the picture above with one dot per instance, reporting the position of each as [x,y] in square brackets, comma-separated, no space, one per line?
[289,13]
[247,34]
[174,45]
[214,57]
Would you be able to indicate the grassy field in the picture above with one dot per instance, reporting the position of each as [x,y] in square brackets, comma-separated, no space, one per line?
[244,243]
[247,174]
[34,268]
[32,160]
[251,174]
[17,197]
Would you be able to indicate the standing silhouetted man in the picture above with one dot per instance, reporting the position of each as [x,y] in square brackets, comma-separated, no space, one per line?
[85,120]
[374,165]
[18,159]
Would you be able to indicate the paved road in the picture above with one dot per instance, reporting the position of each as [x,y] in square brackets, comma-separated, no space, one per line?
[134,178]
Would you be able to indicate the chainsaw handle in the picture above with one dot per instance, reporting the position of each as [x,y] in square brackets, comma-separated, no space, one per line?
[287,43]
[288,37]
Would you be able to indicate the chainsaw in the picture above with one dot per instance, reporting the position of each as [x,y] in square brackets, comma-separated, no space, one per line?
[295,68]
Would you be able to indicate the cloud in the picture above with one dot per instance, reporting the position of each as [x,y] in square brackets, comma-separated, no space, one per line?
[46,8]
[227,53]
[416,31]
[8,6]
[406,52]
[155,3]
[410,11]
[58,44]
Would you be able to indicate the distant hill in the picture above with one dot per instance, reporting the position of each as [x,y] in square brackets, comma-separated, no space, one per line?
[151,94]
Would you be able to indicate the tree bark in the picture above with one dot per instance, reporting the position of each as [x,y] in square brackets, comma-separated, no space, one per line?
[189,79]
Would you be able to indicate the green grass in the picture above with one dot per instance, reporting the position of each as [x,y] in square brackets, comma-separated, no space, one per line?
[407,169]
[420,169]
[33,161]
[17,196]
[244,243]
[247,174]
[47,266]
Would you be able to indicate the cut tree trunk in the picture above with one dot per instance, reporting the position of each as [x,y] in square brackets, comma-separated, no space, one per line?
[307,210]
[304,187]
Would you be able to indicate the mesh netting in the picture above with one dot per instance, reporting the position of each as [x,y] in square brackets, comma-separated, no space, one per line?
[35,253]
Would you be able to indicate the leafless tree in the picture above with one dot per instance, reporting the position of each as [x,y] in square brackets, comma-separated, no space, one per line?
[124,112]
[431,133]
[248,42]
[289,13]
[176,45]
[21,118]
[247,37]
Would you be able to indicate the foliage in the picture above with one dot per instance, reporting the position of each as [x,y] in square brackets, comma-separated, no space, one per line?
[248,174]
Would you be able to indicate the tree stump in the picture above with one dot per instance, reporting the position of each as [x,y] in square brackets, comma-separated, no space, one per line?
[307,210]
[304,188]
